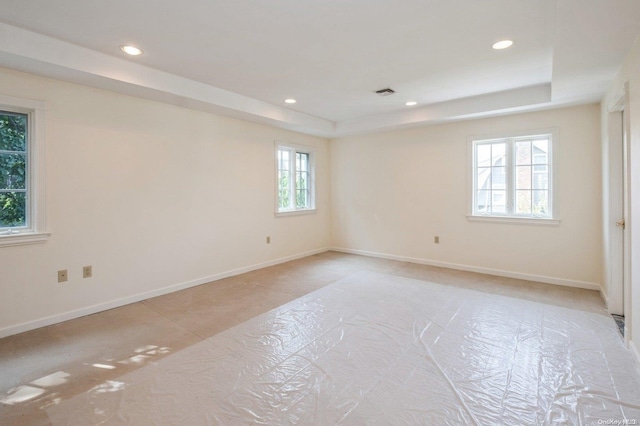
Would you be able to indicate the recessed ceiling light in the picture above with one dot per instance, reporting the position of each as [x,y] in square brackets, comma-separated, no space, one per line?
[290,101]
[502,44]
[131,50]
[411,103]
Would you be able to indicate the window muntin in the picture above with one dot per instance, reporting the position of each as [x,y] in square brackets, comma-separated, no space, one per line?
[14,176]
[512,177]
[295,191]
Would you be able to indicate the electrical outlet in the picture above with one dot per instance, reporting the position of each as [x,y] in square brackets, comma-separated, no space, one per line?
[87,272]
[268,240]
[62,275]
[436,240]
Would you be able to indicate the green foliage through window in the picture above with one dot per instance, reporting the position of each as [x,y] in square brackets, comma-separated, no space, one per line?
[283,190]
[13,169]
[294,179]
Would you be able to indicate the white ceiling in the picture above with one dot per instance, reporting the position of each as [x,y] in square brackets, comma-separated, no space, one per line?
[244,57]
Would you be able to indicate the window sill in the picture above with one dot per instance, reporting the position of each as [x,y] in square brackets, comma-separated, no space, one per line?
[515,220]
[295,212]
[24,239]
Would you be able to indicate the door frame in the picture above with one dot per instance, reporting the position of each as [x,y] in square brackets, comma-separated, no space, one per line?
[618,244]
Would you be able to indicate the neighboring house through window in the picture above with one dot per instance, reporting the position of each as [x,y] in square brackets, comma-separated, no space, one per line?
[513,177]
[21,171]
[295,179]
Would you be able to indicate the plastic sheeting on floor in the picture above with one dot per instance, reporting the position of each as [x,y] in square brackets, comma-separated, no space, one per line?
[384,350]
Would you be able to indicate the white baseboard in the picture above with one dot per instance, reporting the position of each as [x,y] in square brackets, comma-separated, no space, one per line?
[634,349]
[498,272]
[77,313]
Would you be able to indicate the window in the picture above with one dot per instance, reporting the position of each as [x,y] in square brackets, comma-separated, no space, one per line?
[295,179]
[512,177]
[21,177]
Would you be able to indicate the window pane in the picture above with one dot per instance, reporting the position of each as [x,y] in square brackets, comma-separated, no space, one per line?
[499,202]
[498,178]
[13,168]
[541,151]
[498,152]
[523,202]
[301,181]
[13,209]
[483,155]
[523,152]
[283,189]
[523,177]
[483,179]
[13,132]
[302,198]
[302,187]
[540,180]
[483,201]
[541,202]
[302,163]
[283,159]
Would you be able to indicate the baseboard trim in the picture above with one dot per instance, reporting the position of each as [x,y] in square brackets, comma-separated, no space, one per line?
[77,313]
[497,272]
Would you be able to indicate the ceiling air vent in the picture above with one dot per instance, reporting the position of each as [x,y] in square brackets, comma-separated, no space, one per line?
[385,92]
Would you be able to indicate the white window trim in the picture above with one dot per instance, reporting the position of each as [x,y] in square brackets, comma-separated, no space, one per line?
[554,220]
[312,179]
[36,231]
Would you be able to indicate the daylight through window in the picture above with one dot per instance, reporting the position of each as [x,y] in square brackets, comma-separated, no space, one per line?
[22,197]
[14,199]
[512,177]
[295,179]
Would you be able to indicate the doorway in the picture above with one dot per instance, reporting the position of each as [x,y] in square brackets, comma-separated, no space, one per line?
[617,214]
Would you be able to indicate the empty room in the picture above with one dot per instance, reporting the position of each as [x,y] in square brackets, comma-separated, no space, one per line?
[288,212]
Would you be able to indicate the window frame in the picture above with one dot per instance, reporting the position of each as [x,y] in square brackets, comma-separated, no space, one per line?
[35,231]
[509,217]
[293,149]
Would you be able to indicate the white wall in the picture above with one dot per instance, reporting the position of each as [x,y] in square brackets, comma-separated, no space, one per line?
[155,196]
[152,196]
[393,192]
[629,74]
